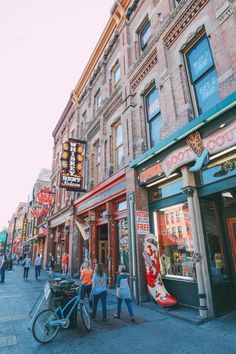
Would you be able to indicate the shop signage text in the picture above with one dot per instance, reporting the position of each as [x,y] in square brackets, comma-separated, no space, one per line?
[142,222]
[72,164]
[217,142]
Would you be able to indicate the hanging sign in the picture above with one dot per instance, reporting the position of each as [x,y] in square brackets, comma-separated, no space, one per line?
[36,211]
[72,165]
[142,222]
[24,229]
[45,196]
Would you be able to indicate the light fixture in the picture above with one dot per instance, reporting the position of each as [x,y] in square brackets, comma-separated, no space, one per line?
[222,153]
[227,195]
[222,125]
[162,179]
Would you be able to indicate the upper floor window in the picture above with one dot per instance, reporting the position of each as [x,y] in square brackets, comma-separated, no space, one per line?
[97,100]
[145,34]
[118,147]
[83,122]
[72,134]
[97,167]
[202,75]
[115,75]
[177,2]
[153,116]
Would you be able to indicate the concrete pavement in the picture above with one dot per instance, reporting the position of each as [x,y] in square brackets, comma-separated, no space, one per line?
[153,332]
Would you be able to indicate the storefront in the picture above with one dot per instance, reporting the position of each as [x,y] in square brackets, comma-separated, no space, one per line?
[104,209]
[190,178]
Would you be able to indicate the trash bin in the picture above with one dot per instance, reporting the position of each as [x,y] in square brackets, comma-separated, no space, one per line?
[60,295]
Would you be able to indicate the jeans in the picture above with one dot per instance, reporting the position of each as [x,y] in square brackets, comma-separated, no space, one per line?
[103,297]
[26,272]
[129,306]
[2,275]
[37,271]
[86,290]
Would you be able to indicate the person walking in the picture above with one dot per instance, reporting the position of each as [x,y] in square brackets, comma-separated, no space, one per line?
[123,292]
[26,264]
[37,266]
[3,266]
[51,265]
[99,291]
[86,276]
[64,262]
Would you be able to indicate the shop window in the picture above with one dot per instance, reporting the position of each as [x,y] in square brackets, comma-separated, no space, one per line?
[102,214]
[97,161]
[123,247]
[219,171]
[175,241]
[144,34]
[213,240]
[153,116]
[121,206]
[118,146]
[202,75]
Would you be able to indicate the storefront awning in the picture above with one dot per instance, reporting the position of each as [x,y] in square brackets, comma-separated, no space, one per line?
[214,112]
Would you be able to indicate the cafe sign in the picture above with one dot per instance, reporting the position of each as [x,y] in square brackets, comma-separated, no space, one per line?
[72,165]
[217,142]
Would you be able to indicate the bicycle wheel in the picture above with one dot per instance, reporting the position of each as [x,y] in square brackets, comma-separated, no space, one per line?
[85,316]
[41,331]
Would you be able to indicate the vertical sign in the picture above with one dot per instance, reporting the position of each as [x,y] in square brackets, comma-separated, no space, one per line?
[72,164]
[142,222]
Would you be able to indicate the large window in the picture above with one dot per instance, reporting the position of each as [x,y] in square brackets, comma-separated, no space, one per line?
[123,246]
[119,151]
[202,74]
[97,101]
[153,116]
[175,241]
[115,75]
[145,34]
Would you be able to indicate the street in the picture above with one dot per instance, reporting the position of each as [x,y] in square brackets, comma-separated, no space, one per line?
[152,332]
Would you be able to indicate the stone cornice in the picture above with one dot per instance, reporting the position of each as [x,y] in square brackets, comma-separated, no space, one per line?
[149,63]
[179,26]
[113,107]
[94,129]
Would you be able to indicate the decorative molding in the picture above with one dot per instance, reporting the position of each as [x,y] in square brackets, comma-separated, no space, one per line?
[180,25]
[144,70]
[113,107]
[224,12]
[94,130]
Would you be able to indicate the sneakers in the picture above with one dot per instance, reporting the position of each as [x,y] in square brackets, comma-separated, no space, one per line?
[116,316]
[132,319]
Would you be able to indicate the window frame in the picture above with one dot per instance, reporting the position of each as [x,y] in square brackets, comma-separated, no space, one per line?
[192,83]
[97,162]
[140,30]
[114,69]
[117,147]
[97,100]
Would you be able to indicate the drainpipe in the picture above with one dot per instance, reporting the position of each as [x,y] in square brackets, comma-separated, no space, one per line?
[132,240]
[189,189]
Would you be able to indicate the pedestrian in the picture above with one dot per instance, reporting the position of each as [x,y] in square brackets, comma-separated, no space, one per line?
[37,266]
[51,265]
[123,292]
[26,264]
[17,259]
[86,276]
[3,266]
[99,291]
[64,261]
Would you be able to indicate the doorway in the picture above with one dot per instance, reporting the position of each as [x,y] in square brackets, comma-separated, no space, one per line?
[102,233]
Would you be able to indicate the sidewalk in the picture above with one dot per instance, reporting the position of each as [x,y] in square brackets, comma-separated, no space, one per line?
[153,332]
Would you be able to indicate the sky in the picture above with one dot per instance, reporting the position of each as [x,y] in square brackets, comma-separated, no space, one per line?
[44,47]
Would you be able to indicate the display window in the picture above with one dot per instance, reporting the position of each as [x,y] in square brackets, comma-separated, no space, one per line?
[175,241]
[213,239]
[122,235]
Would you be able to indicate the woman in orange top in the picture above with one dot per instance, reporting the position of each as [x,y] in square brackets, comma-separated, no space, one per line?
[86,276]
[64,261]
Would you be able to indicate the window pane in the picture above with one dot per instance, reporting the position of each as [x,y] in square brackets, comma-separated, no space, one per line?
[117,74]
[214,246]
[175,240]
[152,103]
[122,235]
[98,154]
[119,135]
[154,128]
[207,92]
[145,34]
[199,59]
[119,157]
[121,206]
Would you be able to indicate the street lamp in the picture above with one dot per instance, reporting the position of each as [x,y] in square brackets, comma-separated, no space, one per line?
[13,234]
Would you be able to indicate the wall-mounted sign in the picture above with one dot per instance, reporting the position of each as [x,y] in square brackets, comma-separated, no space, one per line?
[36,211]
[142,222]
[24,230]
[3,236]
[72,165]
[217,142]
[45,196]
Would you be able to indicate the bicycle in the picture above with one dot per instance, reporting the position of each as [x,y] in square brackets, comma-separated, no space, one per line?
[47,323]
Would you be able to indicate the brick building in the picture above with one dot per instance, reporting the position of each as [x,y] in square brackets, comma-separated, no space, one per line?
[157,95]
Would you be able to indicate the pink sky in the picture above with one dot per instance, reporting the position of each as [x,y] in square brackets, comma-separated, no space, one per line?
[44,47]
